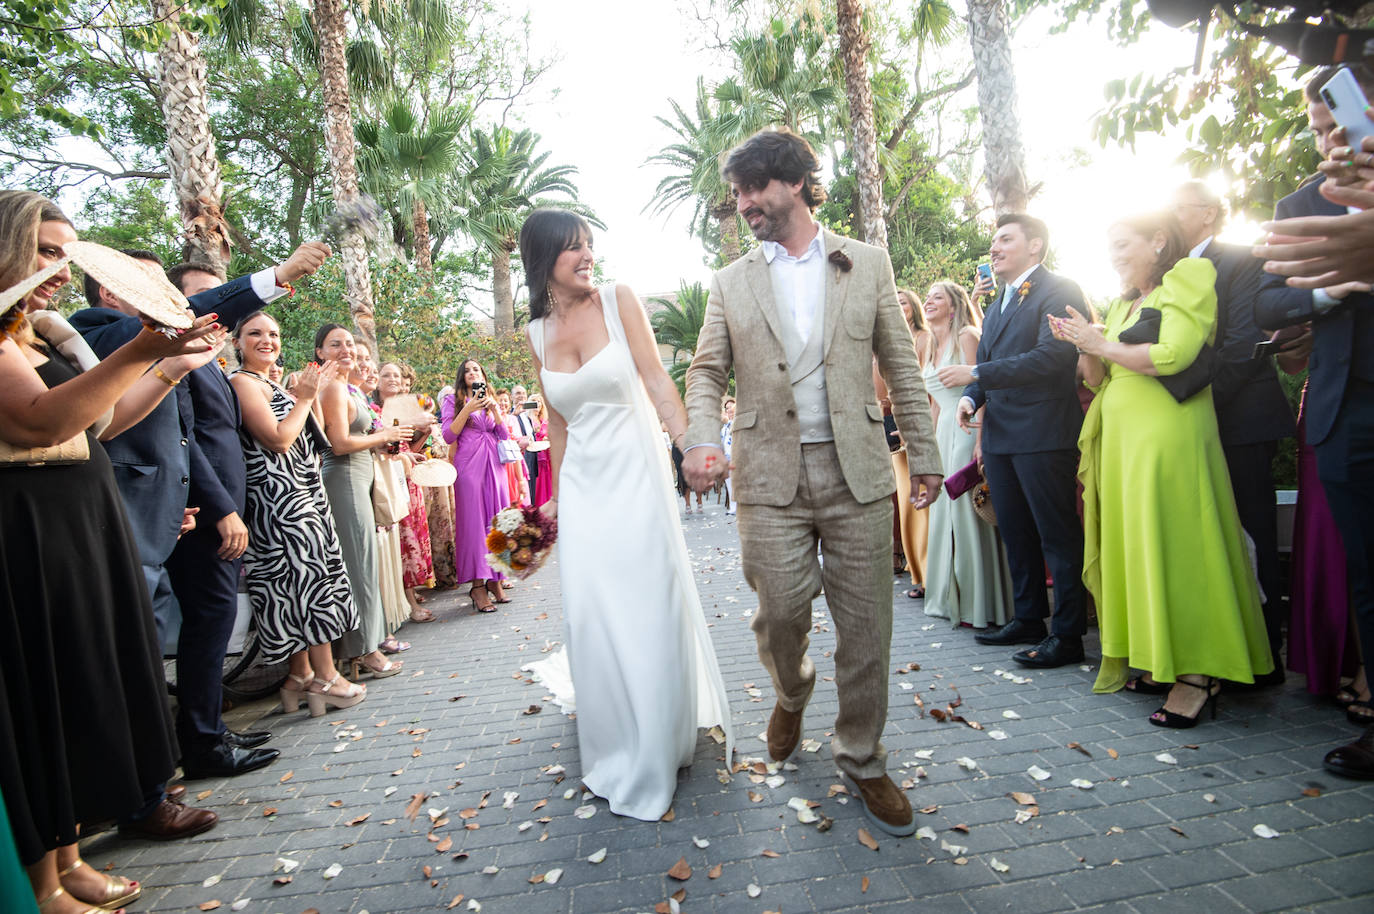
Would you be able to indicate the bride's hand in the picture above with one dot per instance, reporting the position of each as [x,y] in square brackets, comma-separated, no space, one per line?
[550,509]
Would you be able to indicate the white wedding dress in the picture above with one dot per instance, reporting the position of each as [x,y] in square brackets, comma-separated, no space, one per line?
[642,665]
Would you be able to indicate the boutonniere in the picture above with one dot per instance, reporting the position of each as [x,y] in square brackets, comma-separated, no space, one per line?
[841,259]
[1024,290]
[223,363]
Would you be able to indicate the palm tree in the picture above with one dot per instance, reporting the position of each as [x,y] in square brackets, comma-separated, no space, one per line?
[854,46]
[677,325]
[192,159]
[695,159]
[331,29]
[1004,158]
[504,178]
[786,79]
[405,159]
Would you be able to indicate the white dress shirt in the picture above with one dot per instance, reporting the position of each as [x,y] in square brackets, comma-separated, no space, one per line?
[798,280]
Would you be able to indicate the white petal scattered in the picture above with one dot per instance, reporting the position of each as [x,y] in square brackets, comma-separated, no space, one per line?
[753,891]
[211,881]
[997,734]
[998,865]
[389,791]
[811,745]
[806,815]
[1011,715]
[701,842]
[1210,797]
[1024,815]
[964,761]
[474,905]
[509,801]
[240,904]
[955,850]
[937,644]
[332,870]
[775,781]
[926,832]
[285,864]
[1166,758]
[587,796]
[435,813]
[569,794]
[1082,784]
[1264,831]
[598,856]
[926,754]
[555,771]
[976,669]
[552,876]
[585,812]
[524,826]
[491,870]
[906,685]
[341,747]
[1040,774]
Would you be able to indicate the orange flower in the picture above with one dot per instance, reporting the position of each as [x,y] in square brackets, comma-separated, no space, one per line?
[497,542]
[521,557]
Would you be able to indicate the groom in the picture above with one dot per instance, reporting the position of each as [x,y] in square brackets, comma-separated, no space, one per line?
[800,319]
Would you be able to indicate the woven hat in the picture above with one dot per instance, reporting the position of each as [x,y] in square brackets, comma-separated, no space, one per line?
[147,290]
[20,290]
[406,408]
[433,474]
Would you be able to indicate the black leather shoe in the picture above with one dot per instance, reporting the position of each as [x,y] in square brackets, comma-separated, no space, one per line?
[248,739]
[226,761]
[1052,652]
[1014,632]
[1355,760]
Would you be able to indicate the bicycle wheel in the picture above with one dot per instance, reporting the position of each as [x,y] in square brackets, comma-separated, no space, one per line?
[247,677]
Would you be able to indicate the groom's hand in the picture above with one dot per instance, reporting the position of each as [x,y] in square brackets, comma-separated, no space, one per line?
[703,467]
[931,484]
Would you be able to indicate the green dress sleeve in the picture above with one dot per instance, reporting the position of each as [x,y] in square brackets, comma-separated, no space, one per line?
[1187,301]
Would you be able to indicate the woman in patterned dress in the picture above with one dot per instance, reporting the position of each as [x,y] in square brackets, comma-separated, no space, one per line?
[296,576]
[417,565]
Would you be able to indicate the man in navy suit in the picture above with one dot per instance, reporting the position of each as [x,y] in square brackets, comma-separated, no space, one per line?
[1339,405]
[1253,414]
[1026,381]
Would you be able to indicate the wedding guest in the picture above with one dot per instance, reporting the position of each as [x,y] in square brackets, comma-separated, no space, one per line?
[1184,606]
[417,565]
[727,441]
[544,480]
[471,422]
[275,371]
[439,502]
[528,424]
[297,581]
[85,729]
[913,526]
[347,474]
[517,485]
[968,580]
[388,473]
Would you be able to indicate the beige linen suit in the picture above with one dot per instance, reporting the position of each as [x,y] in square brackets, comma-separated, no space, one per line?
[792,495]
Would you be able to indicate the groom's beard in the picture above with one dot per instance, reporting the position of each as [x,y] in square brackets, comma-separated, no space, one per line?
[772,228]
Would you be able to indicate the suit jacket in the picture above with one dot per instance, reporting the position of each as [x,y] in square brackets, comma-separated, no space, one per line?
[1342,338]
[1027,378]
[152,459]
[216,483]
[1251,405]
[862,320]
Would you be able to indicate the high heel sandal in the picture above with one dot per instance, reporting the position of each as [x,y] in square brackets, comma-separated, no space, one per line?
[291,697]
[388,668]
[59,892]
[1164,718]
[1142,686]
[1360,713]
[481,607]
[325,699]
[118,890]
[502,598]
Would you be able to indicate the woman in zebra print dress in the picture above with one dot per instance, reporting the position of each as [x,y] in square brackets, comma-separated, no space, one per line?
[296,576]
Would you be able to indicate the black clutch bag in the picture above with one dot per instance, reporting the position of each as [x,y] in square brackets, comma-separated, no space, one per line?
[1190,381]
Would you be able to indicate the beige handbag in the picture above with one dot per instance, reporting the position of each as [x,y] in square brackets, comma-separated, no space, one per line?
[73,450]
[390,499]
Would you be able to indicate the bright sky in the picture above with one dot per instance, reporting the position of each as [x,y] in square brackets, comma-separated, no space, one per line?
[611,84]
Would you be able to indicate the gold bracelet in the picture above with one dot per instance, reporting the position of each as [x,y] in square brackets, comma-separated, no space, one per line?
[162,376]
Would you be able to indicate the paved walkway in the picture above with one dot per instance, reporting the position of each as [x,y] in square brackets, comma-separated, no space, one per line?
[444,791]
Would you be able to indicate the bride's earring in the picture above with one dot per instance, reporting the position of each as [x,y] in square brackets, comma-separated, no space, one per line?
[553,300]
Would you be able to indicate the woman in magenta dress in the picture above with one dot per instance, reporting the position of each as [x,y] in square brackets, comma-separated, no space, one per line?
[543,484]
[471,422]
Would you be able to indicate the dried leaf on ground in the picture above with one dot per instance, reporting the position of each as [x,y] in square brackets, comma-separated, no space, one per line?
[469,813]
[204,794]
[961,828]
[1113,753]
[269,810]
[867,840]
[770,853]
[1312,792]
[443,846]
[668,816]
[679,896]
[1078,747]
[413,807]
[1178,831]
[208,905]
[457,900]
[681,871]
[359,819]
[863,885]
[715,871]
[286,777]
[1025,799]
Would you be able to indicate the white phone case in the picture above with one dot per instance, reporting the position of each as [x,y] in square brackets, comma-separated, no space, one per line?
[1346,100]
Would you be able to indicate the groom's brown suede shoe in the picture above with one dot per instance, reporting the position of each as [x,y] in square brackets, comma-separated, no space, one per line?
[886,805]
[784,732]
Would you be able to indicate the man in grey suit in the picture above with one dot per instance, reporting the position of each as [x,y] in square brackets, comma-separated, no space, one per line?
[800,320]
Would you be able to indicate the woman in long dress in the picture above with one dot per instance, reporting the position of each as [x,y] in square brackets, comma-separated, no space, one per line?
[968,580]
[643,669]
[1164,555]
[913,524]
[417,565]
[297,582]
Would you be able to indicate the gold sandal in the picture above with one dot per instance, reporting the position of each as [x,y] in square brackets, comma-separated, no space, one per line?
[118,890]
[59,892]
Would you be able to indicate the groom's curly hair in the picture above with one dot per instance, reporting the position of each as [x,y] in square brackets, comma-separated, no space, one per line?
[776,153]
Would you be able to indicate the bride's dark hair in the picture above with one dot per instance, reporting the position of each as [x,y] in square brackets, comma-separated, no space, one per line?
[546,234]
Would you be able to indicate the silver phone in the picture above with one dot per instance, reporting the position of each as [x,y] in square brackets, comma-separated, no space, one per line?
[1343,95]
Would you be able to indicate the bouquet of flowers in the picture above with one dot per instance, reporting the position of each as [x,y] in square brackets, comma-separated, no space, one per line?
[520,540]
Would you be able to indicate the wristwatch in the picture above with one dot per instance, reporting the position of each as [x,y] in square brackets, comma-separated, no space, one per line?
[974,371]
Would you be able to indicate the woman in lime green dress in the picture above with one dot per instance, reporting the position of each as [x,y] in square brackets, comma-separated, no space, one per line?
[1165,557]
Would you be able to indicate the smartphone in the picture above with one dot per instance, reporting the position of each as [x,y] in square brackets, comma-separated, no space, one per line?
[1345,98]
[1265,348]
[985,271]
[479,388]
[530,404]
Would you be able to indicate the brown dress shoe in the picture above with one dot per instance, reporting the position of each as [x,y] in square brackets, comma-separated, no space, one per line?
[170,821]
[784,732]
[886,805]
[176,793]
[1355,760]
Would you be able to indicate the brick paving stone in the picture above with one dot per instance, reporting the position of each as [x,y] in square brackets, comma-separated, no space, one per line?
[412,735]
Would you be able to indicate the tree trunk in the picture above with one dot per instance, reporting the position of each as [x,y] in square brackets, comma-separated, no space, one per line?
[421,227]
[295,210]
[331,27]
[191,156]
[504,316]
[1004,158]
[724,214]
[863,134]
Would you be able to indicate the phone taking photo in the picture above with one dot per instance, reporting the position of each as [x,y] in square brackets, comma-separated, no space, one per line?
[1343,95]
[985,271]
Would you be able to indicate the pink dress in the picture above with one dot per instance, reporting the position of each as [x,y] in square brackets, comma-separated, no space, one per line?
[478,492]
[543,484]
[517,477]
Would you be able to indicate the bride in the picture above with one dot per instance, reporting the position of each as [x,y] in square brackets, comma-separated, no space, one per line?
[642,665]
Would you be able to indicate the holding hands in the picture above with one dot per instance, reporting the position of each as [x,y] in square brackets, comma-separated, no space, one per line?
[704,467]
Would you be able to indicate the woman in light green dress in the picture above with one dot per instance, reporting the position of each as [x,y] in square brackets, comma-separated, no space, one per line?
[968,580]
[1165,557]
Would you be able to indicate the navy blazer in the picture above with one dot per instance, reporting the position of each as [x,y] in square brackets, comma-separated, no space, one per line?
[217,484]
[1250,403]
[1342,338]
[1026,377]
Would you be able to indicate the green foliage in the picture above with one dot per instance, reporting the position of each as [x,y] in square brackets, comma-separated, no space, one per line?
[677,324]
